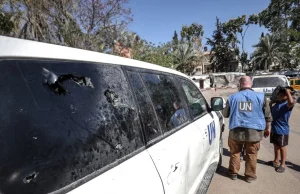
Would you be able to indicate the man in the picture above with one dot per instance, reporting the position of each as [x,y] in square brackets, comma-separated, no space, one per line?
[179,116]
[249,120]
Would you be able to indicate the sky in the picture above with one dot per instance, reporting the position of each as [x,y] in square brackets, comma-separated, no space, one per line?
[156,20]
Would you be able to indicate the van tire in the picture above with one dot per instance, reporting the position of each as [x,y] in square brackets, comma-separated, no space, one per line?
[220,153]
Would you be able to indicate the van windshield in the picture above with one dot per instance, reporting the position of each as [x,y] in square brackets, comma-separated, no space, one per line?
[263,82]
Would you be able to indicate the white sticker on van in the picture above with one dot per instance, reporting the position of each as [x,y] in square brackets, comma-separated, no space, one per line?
[268,90]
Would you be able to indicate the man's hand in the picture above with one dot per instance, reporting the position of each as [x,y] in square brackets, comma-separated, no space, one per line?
[267,133]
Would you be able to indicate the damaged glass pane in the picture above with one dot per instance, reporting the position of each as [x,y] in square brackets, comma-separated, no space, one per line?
[147,113]
[196,102]
[55,82]
[170,108]
[59,139]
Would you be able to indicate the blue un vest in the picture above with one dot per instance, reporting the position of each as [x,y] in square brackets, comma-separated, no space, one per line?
[246,110]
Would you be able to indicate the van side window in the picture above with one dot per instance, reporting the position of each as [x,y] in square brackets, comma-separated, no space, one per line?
[291,82]
[146,110]
[196,102]
[297,82]
[170,108]
[63,121]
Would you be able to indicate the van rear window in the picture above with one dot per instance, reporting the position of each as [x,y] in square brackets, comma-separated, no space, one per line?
[262,82]
[61,121]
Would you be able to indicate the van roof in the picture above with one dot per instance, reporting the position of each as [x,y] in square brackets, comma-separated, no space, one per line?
[262,76]
[19,48]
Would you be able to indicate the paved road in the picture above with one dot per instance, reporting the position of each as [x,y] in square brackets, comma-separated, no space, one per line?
[268,181]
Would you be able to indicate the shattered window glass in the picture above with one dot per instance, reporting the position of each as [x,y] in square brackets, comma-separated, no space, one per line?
[196,102]
[170,108]
[145,106]
[61,121]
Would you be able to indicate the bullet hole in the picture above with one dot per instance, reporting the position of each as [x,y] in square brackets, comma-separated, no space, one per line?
[54,82]
[30,177]
[111,97]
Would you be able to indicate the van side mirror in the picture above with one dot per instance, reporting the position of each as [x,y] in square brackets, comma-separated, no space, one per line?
[217,103]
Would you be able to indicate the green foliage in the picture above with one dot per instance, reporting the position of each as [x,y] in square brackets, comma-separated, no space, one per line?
[184,57]
[159,55]
[239,26]
[175,41]
[267,52]
[282,19]
[235,25]
[93,25]
[279,14]
[6,25]
[192,32]
[222,50]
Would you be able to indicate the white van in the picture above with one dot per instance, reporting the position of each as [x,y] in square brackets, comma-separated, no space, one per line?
[81,122]
[267,83]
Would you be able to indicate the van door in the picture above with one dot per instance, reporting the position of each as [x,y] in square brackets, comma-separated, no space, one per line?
[69,126]
[170,151]
[204,134]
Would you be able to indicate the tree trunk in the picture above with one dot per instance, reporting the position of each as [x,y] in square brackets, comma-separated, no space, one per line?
[266,65]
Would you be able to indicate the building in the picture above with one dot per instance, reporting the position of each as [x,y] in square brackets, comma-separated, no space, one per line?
[205,67]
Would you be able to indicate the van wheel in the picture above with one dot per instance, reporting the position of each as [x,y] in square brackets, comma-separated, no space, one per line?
[220,152]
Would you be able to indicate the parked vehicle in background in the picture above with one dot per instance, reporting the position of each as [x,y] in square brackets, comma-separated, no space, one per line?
[295,83]
[267,83]
[76,121]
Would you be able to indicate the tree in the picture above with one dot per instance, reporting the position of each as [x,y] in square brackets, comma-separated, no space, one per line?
[159,55]
[175,41]
[6,26]
[267,52]
[222,51]
[192,35]
[87,24]
[184,57]
[282,18]
[239,26]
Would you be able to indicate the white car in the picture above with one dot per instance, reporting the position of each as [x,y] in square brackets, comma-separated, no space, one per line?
[81,122]
[266,84]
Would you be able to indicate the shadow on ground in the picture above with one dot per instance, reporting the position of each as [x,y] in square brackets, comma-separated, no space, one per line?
[290,165]
[226,152]
[223,172]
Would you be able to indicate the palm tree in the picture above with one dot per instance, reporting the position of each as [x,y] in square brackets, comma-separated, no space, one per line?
[184,57]
[267,52]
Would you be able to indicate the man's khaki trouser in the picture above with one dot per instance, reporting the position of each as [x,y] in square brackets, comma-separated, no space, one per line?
[251,157]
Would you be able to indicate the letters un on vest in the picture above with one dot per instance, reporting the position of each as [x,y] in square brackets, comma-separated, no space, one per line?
[246,110]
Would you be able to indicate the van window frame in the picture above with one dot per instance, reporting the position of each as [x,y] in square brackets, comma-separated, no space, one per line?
[174,130]
[137,105]
[208,108]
